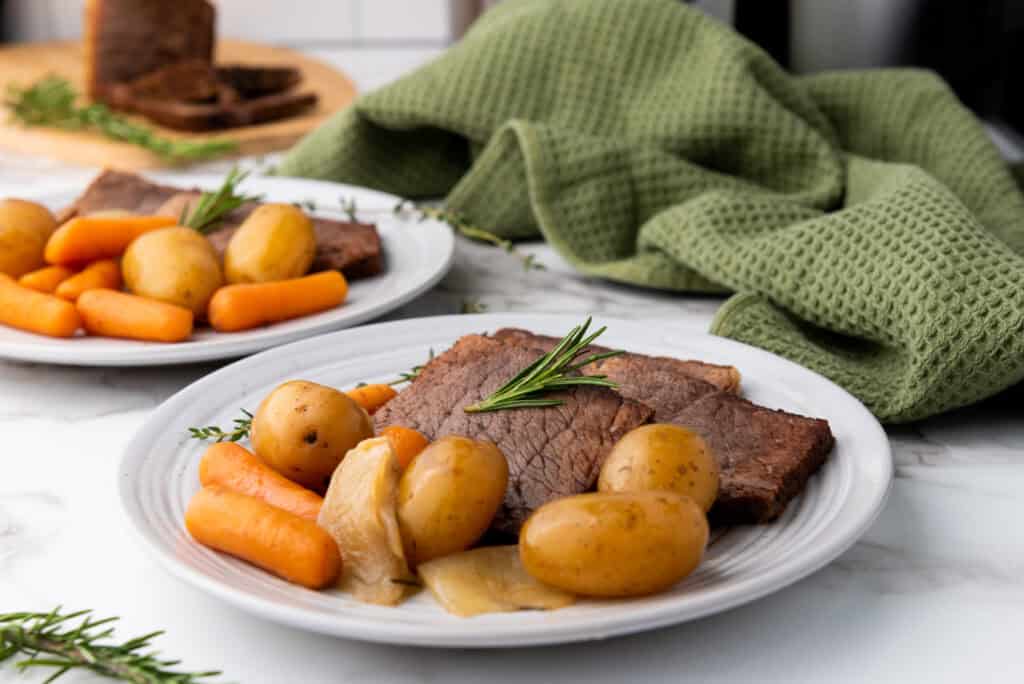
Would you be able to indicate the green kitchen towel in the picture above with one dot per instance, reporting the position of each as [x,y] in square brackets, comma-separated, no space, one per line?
[865,223]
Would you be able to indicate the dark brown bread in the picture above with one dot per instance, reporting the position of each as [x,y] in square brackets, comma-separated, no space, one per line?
[551,453]
[126,39]
[765,457]
[352,248]
[196,117]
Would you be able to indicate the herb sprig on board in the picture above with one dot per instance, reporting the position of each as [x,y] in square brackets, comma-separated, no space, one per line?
[52,102]
[242,429]
[556,370]
[212,207]
[77,641]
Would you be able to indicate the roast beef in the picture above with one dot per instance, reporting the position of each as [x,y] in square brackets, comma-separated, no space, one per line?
[352,248]
[552,452]
[765,457]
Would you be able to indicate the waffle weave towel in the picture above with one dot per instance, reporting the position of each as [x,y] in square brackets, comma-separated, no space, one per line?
[864,222]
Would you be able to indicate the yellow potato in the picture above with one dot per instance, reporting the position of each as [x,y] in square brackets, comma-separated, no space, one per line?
[303,430]
[614,544]
[176,265]
[24,228]
[488,580]
[359,514]
[448,496]
[276,242]
[662,456]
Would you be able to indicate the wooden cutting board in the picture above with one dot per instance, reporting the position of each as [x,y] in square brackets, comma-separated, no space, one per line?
[27,63]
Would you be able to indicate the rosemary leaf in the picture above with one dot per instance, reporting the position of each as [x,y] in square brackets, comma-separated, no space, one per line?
[553,371]
[242,429]
[212,207]
[51,102]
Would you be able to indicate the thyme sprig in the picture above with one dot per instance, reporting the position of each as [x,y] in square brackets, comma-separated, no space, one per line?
[76,640]
[52,102]
[556,370]
[212,207]
[463,227]
[242,429]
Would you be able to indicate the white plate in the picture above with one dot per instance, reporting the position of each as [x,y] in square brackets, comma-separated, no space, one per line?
[416,256]
[158,475]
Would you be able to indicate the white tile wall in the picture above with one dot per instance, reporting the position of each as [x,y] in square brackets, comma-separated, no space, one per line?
[277,21]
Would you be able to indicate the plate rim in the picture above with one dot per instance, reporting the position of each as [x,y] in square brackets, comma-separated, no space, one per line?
[780,575]
[148,354]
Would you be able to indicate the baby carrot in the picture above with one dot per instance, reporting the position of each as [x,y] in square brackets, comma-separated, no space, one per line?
[230,466]
[88,238]
[117,314]
[372,397]
[105,273]
[249,305]
[405,442]
[36,312]
[291,547]
[45,279]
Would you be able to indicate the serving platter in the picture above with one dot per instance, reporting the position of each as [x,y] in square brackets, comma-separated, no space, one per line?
[417,254]
[158,475]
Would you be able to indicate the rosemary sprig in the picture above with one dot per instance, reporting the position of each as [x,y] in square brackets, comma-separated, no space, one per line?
[471,305]
[78,641]
[51,102]
[556,370]
[242,429]
[349,208]
[413,373]
[463,227]
[214,206]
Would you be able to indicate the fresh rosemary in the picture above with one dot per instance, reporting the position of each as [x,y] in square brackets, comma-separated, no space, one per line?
[413,373]
[214,206]
[51,102]
[349,208]
[457,222]
[470,305]
[78,641]
[243,426]
[556,370]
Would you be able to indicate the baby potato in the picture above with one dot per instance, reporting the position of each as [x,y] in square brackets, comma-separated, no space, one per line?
[303,430]
[614,544]
[276,242]
[662,456]
[24,229]
[448,496]
[176,265]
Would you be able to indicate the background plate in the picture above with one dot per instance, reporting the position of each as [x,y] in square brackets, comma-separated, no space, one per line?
[417,254]
[158,475]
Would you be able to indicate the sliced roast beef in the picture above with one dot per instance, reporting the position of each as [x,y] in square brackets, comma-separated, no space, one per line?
[352,248]
[552,452]
[765,456]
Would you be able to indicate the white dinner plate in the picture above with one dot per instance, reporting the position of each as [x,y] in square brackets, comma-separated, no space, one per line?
[158,475]
[417,254]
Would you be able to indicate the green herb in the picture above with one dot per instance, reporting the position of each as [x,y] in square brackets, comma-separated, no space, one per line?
[77,641]
[472,306]
[349,208]
[457,222]
[212,207]
[242,429]
[51,102]
[306,204]
[412,374]
[556,370]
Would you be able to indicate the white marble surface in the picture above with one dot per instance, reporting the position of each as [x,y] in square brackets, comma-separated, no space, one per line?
[934,592]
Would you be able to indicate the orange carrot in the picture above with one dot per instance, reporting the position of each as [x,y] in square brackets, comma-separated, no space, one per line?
[372,397]
[88,238]
[105,274]
[249,305]
[291,547]
[45,279]
[35,311]
[230,466]
[405,442]
[117,314]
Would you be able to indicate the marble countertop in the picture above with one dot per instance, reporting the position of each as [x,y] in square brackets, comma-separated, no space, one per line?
[933,592]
